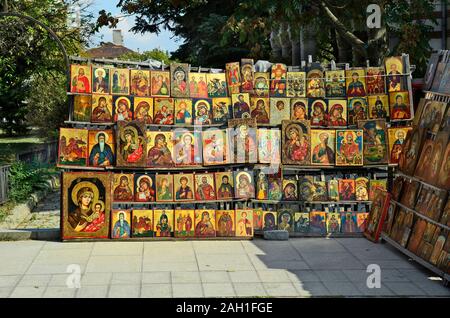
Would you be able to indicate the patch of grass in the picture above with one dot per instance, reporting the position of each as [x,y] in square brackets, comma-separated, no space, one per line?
[5,209]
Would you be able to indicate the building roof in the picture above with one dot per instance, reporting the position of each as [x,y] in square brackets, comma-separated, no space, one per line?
[108,50]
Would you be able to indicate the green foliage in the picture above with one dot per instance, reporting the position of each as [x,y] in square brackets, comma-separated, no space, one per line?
[30,58]
[155,54]
[24,179]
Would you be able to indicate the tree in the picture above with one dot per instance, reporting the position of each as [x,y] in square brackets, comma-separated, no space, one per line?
[32,65]
[216,32]
[155,54]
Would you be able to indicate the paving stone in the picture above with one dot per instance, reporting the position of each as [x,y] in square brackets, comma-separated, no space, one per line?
[405,289]
[281,290]
[187,290]
[341,288]
[383,291]
[5,291]
[214,277]
[156,278]
[126,278]
[185,277]
[311,289]
[34,280]
[118,248]
[321,260]
[89,279]
[244,277]
[59,292]
[249,290]
[303,276]
[218,290]
[99,291]
[117,263]
[170,266]
[28,292]
[9,280]
[433,288]
[124,291]
[276,235]
[331,276]
[274,276]
[156,291]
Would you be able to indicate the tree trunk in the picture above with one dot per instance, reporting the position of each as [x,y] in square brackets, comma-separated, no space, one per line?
[275,44]
[295,44]
[286,46]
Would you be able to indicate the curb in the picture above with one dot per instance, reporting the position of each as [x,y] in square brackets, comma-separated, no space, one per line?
[30,234]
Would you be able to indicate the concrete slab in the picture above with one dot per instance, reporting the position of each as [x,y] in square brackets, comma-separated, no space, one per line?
[124,291]
[156,291]
[187,290]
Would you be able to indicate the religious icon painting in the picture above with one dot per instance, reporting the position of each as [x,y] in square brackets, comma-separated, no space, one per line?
[438,76]
[143,109]
[123,186]
[269,220]
[333,222]
[423,164]
[416,236]
[318,110]
[275,188]
[164,111]
[296,142]
[349,222]
[306,188]
[221,110]
[247,75]
[187,149]
[179,80]
[410,151]
[440,144]
[73,147]
[400,106]
[204,187]
[123,108]
[120,224]
[431,70]
[347,190]
[397,187]
[361,219]
[101,148]
[376,184]
[257,219]
[242,140]
[241,105]
[269,145]
[159,149]
[260,109]
[102,109]
[244,185]
[225,223]
[82,107]
[333,190]
[197,85]
[315,84]
[140,83]
[120,81]
[142,223]
[318,222]
[290,190]
[164,188]
[233,75]
[217,85]
[86,205]
[261,85]
[377,215]
[349,147]
[375,81]
[279,110]
[443,179]
[202,112]
[224,185]
[163,223]
[262,185]
[144,188]
[278,80]
[160,84]
[183,111]
[362,189]
[432,115]
[183,186]
[444,86]
[337,113]
[397,137]
[335,84]
[378,106]
[296,84]
[357,110]
[319,191]
[131,144]
[394,72]
[244,223]
[184,223]
[80,78]
[299,108]
[286,220]
[390,215]
[214,142]
[301,222]
[205,223]
[375,141]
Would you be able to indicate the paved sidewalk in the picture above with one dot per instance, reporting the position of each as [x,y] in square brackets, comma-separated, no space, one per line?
[45,215]
[302,267]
